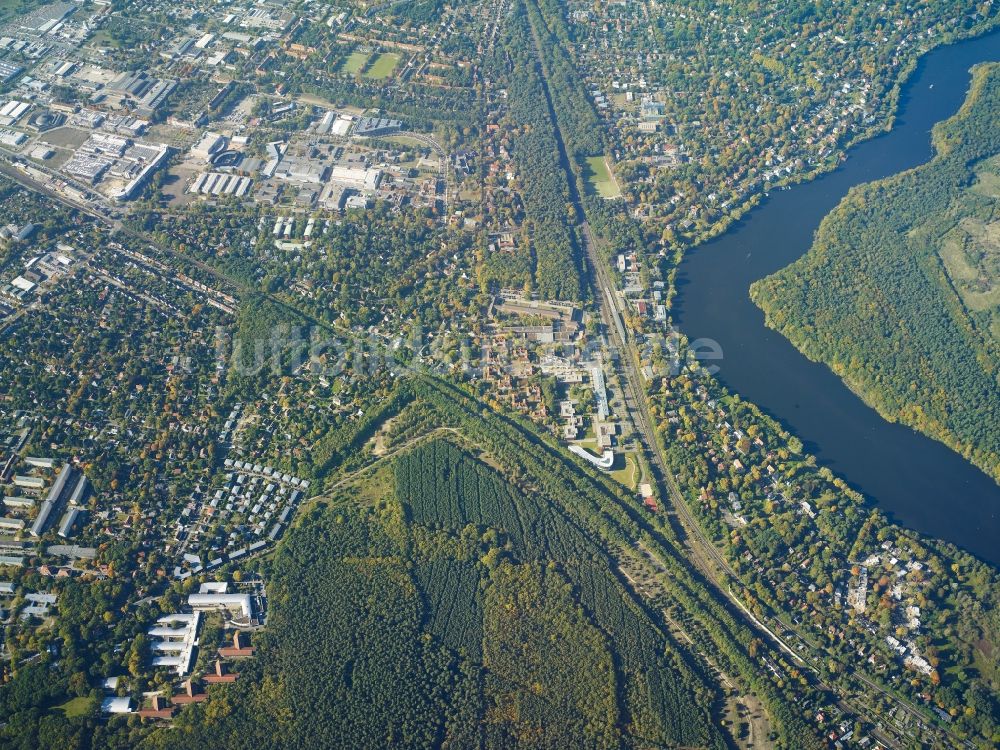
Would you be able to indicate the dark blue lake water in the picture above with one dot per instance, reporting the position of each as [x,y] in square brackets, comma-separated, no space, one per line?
[919,482]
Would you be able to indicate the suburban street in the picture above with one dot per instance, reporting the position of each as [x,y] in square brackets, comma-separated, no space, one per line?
[701,551]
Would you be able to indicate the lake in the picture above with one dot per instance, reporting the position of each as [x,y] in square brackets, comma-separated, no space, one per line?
[919,482]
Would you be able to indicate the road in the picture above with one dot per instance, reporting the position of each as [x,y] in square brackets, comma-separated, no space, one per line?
[703,553]
[443,158]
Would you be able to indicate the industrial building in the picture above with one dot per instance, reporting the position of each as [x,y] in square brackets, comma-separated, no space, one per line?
[146,161]
[209,144]
[301,169]
[217,183]
[12,111]
[116,157]
[11,138]
[150,93]
[95,156]
[9,70]
[357,178]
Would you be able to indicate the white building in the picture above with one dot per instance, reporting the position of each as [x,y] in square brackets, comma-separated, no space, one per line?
[115,705]
[605,461]
[175,638]
[233,602]
[209,145]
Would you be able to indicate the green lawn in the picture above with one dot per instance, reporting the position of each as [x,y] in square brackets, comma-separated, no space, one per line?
[101,38]
[628,473]
[76,707]
[599,178]
[383,66]
[354,62]
[405,140]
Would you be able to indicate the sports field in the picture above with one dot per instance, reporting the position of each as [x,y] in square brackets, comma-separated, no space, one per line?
[383,66]
[354,62]
[599,177]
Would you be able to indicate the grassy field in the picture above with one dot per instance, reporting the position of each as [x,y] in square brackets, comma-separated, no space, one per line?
[599,178]
[964,275]
[354,62]
[66,137]
[988,178]
[405,140]
[626,471]
[76,707]
[970,250]
[102,38]
[383,66]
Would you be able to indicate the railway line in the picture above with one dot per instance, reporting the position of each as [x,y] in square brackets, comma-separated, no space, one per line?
[703,554]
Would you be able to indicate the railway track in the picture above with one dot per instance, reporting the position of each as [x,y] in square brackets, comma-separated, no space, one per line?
[703,554]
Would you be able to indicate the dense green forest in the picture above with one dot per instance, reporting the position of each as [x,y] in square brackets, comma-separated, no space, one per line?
[896,294]
[471,600]
[608,515]
[462,612]
[655,689]
[555,254]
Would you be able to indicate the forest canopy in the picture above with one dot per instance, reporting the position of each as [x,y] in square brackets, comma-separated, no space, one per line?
[458,590]
[898,296]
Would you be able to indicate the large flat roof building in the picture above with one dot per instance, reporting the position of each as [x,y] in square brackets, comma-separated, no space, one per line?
[115,705]
[28,483]
[81,487]
[210,143]
[376,126]
[19,502]
[39,462]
